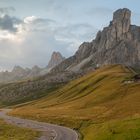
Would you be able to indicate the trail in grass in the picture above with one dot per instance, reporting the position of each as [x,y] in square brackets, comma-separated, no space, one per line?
[49,131]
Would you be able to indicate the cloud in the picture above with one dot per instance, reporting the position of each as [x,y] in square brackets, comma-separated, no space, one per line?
[8,23]
[30,41]
[75,34]
[36,20]
[77,31]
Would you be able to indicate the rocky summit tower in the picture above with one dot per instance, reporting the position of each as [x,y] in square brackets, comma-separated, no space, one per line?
[119,43]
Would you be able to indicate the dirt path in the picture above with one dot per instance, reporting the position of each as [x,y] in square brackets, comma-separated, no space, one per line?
[49,131]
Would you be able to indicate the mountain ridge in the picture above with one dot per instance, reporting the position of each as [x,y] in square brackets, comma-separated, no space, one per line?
[89,57]
[19,73]
[118,43]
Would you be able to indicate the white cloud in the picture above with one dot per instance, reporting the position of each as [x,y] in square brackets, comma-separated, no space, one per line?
[29,20]
[36,38]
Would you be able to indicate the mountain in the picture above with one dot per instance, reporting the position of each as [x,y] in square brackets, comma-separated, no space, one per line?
[56,59]
[16,74]
[95,90]
[119,43]
[35,71]
[19,73]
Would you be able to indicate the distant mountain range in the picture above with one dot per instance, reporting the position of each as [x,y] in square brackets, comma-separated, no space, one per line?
[19,73]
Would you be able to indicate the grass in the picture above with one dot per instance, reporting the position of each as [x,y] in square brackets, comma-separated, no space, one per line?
[113,130]
[10,132]
[99,97]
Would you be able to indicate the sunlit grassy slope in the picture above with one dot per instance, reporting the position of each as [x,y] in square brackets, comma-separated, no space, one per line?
[91,102]
[9,132]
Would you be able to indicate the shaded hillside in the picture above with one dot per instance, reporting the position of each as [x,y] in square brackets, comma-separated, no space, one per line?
[27,90]
[99,97]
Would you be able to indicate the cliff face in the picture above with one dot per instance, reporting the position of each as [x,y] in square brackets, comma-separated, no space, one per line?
[119,43]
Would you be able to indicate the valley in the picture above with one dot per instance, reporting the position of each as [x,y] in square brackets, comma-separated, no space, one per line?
[108,101]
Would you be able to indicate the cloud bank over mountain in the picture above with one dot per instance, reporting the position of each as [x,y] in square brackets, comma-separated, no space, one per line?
[31,40]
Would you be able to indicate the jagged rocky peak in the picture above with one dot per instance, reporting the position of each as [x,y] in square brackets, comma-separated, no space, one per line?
[118,43]
[122,20]
[122,15]
[56,59]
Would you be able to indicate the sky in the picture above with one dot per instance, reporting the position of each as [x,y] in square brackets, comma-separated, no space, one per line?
[30,30]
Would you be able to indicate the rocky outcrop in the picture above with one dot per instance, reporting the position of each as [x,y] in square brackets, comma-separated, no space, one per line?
[56,59]
[119,43]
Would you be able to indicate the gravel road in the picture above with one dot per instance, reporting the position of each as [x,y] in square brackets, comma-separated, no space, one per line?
[49,131]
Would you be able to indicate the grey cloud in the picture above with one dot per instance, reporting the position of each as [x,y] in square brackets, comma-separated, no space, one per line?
[40,42]
[8,23]
[44,21]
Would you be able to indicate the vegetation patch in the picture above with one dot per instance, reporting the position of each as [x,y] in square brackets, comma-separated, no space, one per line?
[10,132]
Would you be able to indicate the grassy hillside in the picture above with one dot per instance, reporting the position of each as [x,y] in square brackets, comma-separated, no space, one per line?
[29,90]
[112,130]
[9,132]
[92,102]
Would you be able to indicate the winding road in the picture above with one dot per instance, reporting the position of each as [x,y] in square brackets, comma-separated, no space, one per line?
[49,131]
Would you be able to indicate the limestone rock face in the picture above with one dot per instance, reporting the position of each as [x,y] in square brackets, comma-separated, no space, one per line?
[121,21]
[119,43]
[83,51]
[56,59]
